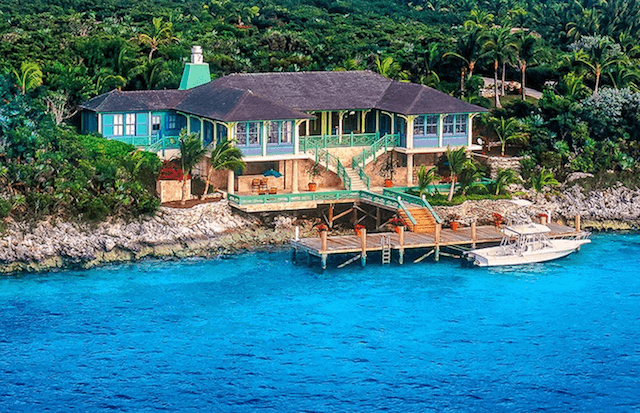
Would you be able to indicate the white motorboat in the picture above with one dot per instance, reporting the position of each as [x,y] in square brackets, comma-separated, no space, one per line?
[525,244]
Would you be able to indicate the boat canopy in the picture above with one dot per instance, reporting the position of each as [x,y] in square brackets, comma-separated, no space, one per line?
[527,229]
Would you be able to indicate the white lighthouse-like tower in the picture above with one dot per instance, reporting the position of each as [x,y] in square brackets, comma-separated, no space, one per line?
[197,72]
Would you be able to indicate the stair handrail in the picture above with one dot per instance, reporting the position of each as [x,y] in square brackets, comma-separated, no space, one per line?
[329,159]
[406,211]
[358,162]
[430,208]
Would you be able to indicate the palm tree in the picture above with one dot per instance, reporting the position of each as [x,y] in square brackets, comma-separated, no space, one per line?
[191,153]
[527,53]
[29,77]
[224,156]
[543,179]
[162,34]
[425,178]
[507,130]
[457,160]
[597,53]
[431,58]
[499,47]
[470,174]
[469,51]
[505,178]
[388,68]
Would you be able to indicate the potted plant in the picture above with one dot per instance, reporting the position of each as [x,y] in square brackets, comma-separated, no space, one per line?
[358,229]
[454,222]
[396,224]
[313,171]
[322,228]
[387,170]
[497,219]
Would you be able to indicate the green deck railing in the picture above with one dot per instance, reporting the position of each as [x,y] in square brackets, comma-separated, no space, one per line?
[411,199]
[345,140]
[329,160]
[359,161]
[301,197]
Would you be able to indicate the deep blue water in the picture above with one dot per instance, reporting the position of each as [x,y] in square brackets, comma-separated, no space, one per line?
[255,332]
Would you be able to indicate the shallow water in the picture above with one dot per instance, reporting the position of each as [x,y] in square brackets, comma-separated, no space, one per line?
[255,332]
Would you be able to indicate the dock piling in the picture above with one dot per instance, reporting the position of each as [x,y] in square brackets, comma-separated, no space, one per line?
[577,223]
[401,242]
[474,236]
[436,256]
[323,240]
[363,241]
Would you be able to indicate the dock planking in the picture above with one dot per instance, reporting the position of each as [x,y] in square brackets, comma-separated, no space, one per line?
[344,244]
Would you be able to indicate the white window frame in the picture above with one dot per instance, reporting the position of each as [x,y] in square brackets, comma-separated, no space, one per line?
[117,124]
[131,124]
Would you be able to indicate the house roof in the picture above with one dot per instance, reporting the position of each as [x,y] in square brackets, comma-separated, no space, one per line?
[230,104]
[311,91]
[414,99]
[263,96]
[117,100]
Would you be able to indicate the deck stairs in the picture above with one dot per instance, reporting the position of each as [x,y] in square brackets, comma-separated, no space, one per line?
[425,222]
[386,249]
[356,182]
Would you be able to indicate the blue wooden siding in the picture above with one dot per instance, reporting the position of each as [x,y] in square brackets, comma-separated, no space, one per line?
[89,122]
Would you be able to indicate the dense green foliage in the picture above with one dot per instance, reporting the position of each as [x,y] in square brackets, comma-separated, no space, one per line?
[50,170]
[65,51]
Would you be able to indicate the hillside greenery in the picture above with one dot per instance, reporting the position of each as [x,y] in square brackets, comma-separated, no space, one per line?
[583,54]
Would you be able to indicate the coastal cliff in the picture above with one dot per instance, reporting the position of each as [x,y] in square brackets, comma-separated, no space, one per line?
[212,229]
[205,230]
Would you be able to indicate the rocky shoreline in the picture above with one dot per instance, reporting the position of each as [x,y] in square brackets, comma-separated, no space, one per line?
[213,229]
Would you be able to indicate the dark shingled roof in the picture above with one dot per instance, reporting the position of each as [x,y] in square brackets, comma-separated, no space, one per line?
[414,99]
[117,101]
[230,104]
[264,96]
[309,91]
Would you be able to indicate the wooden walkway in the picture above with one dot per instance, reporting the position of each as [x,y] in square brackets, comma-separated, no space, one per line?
[462,237]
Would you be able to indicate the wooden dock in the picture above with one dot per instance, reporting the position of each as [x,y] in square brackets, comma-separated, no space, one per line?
[467,237]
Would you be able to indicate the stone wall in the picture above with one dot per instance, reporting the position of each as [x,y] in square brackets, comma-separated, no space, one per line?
[493,163]
[171,190]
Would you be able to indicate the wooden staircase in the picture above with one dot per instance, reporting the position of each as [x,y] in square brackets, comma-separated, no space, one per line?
[425,222]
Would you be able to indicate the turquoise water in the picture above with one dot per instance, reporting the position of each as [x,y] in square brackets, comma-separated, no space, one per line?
[256,333]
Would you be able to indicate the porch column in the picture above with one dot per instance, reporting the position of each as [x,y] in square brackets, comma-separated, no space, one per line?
[469,129]
[100,115]
[362,119]
[393,124]
[377,121]
[323,123]
[296,135]
[340,116]
[440,122]
[263,137]
[188,124]
[410,120]
[308,127]
[409,169]
[329,126]
[230,181]
[294,181]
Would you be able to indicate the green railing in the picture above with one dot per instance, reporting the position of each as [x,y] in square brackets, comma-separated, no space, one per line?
[301,197]
[338,141]
[359,161]
[161,144]
[406,211]
[330,161]
[411,199]
[138,141]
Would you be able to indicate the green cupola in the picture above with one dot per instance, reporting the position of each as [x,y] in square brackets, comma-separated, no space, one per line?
[195,73]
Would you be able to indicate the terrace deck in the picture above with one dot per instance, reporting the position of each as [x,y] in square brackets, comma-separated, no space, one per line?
[462,237]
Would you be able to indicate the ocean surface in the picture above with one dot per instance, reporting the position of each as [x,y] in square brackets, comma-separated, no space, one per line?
[255,332]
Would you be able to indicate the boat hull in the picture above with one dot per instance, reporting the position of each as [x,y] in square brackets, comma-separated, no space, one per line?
[498,256]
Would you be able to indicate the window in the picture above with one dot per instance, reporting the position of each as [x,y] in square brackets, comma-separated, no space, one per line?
[431,127]
[117,125]
[131,124]
[253,133]
[418,126]
[279,132]
[172,121]
[447,125]
[241,133]
[155,124]
[287,132]
[273,132]
[461,124]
